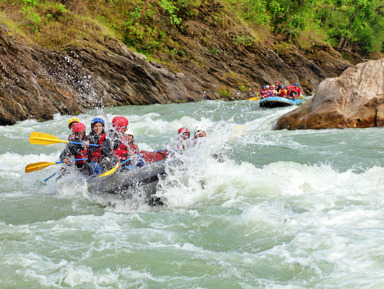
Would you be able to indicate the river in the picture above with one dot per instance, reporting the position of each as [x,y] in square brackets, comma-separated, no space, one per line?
[285,209]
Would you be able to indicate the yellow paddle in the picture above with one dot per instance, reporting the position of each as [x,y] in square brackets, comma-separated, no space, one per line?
[47,139]
[42,165]
[111,171]
[255,98]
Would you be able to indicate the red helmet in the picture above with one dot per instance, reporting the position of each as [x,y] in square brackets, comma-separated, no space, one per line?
[183,129]
[119,122]
[78,127]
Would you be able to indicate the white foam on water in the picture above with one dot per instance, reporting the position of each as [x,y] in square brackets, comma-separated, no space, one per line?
[279,224]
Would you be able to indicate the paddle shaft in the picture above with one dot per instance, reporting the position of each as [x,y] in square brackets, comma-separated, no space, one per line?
[80,143]
[75,160]
[51,176]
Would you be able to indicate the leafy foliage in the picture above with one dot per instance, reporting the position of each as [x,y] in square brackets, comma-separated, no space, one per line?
[150,26]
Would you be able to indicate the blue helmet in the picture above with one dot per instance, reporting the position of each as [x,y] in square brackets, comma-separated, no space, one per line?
[263,86]
[296,84]
[96,120]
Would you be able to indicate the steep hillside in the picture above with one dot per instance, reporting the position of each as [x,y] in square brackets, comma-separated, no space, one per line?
[64,56]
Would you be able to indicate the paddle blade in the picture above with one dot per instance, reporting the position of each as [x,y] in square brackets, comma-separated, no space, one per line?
[37,166]
[254,98]
[44,139]
[110,172]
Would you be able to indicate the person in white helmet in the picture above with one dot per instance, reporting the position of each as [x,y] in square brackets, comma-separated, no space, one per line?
[200,132]
[132,145]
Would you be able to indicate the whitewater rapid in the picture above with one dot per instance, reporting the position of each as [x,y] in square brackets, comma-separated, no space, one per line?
[284,209]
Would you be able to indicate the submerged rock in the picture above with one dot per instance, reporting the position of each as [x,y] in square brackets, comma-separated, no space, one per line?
[355,99]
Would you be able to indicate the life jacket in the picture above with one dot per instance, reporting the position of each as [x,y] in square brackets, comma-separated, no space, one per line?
[83,154]
[283,93]
[298,89]
[96,155]
[264,93]
[132,147]
[291,90]
[122,151]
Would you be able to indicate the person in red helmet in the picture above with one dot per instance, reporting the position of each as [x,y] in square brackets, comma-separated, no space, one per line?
[120,124]
[181,142]
[184,133]
[291,92]
[74,150]
[115,149]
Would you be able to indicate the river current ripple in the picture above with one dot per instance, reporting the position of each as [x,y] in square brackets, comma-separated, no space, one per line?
[285,209]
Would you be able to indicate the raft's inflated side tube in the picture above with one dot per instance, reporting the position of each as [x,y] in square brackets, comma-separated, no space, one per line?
[122,182]
[150,157]
[127,183]
[276,101]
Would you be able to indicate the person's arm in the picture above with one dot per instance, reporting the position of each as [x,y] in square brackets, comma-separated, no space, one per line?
[91,139]
[66,154]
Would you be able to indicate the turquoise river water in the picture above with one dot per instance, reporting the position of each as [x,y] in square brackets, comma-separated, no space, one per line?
[285,209]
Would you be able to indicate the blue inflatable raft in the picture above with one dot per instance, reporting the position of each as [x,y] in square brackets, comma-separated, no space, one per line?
[276,101]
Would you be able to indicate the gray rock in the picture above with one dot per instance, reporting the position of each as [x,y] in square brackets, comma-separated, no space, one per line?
[355,99]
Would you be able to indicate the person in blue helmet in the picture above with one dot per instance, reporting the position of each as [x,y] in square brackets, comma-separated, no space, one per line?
[263,92]
[96,136]
[298,89]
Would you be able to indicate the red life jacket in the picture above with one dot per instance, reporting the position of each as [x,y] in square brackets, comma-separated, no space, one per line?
[133,148]
[264,93]
[96,155]
[83,154]
[122,151]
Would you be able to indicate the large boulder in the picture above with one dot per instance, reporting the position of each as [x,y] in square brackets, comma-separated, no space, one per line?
[355,99]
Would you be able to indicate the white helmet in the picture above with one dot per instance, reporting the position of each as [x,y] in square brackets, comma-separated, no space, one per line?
[267,86]
[129,132]
[200,128]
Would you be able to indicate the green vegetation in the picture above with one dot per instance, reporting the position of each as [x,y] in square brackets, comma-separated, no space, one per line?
[352,25]
[225,93]
[155,27]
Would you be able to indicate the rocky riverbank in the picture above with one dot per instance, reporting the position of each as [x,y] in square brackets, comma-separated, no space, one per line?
[36,82]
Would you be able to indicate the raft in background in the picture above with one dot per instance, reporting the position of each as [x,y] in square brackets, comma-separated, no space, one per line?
[277,101]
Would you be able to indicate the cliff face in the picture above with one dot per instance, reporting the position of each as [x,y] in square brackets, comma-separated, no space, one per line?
[36,82]
[355,99]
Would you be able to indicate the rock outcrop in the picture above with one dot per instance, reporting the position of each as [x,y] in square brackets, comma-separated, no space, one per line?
[36,82]
[353,100]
